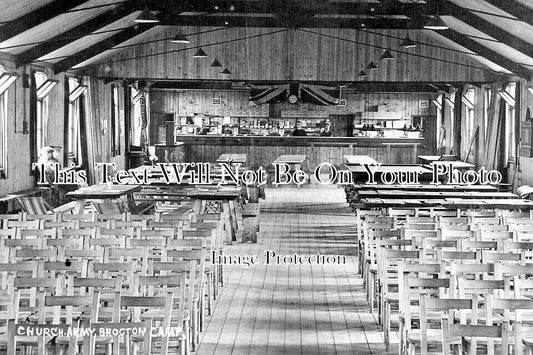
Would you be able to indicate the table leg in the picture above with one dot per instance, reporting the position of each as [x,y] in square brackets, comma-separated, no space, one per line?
[236,222]
[131,202]
[197,206]
[227,222]
[79,207]
[296,168]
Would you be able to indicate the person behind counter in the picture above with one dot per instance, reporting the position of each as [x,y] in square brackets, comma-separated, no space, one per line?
[299,131]
[326,130]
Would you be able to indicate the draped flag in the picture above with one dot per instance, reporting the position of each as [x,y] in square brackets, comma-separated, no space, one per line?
[317,94]
[265,93]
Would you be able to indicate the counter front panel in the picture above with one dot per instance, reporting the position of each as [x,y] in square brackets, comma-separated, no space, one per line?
[262,151]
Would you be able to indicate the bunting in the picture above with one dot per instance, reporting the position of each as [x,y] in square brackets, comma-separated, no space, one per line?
[317,94]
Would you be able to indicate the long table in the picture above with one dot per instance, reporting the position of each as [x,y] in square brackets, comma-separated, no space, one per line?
[449,203]
[220,200]
[421,194]
[425,187]
[103,192]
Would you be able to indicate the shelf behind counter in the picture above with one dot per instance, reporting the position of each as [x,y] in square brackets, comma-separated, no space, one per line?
[262,151]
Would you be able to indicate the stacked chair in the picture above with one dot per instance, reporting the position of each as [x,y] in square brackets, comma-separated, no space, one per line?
[142,283]
[450,282]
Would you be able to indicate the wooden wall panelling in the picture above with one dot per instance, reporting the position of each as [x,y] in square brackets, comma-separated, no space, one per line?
[18,144]
[526,162]
[265,155]
[235,103]
[289,55]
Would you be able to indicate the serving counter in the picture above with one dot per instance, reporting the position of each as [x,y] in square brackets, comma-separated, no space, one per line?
[262,151]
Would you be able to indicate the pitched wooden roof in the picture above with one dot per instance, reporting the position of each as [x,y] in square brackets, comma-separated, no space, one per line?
[73,33]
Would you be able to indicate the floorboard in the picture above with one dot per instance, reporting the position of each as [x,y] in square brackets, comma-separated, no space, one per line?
[296,309]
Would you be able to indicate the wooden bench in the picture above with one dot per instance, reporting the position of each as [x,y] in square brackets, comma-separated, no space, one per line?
[250,222]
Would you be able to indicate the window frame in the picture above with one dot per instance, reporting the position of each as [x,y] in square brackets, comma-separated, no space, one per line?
[115,121]
[4,107]
[510,136]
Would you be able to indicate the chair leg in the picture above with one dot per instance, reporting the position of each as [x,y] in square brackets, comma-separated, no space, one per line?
[182,346]
[386,326]
[372,291]
[221,271]
[401,348]
[194,325]
[209,293]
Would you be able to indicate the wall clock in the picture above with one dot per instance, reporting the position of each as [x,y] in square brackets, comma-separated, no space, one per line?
[293,99]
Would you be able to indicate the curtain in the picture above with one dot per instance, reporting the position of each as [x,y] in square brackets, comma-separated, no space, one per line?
[34,150]
[94,127]
[495,126]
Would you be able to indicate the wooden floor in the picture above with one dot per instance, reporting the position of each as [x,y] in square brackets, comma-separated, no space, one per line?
[307,309]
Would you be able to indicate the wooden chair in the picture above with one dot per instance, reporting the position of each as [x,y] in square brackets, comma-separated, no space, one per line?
[423,287]
[360,215]
[29,300]
[198,256]
[109,208]
[434,337]
[139,305]
[179,279]
[407,272]
[35,205]
[375,236]
[178,245]
[68,310]
[474,331]
[388,278]
[513,311]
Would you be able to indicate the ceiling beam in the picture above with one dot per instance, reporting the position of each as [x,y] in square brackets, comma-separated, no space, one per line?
[283,6]
[490,29]
[487,53]
[37,17]
[514,8]
[357,87]
[100,47]
[73,34]
[301,21]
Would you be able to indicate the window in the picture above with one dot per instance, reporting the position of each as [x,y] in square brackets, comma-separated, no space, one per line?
[510,122]
[3,134]
[74,148]
[487,97]
[470,119]
[42,114]
[136,124]
[441,135]
[450,104]
[115,121]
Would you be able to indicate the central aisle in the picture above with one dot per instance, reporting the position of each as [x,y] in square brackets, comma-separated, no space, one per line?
[296,309]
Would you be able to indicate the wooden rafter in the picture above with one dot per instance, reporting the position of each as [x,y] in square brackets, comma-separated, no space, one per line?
[73,34]
[37,17]
[100,47]
[483,51]
[490,29]
[514,8]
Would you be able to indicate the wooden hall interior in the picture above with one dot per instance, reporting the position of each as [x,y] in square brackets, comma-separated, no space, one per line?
[266,176]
